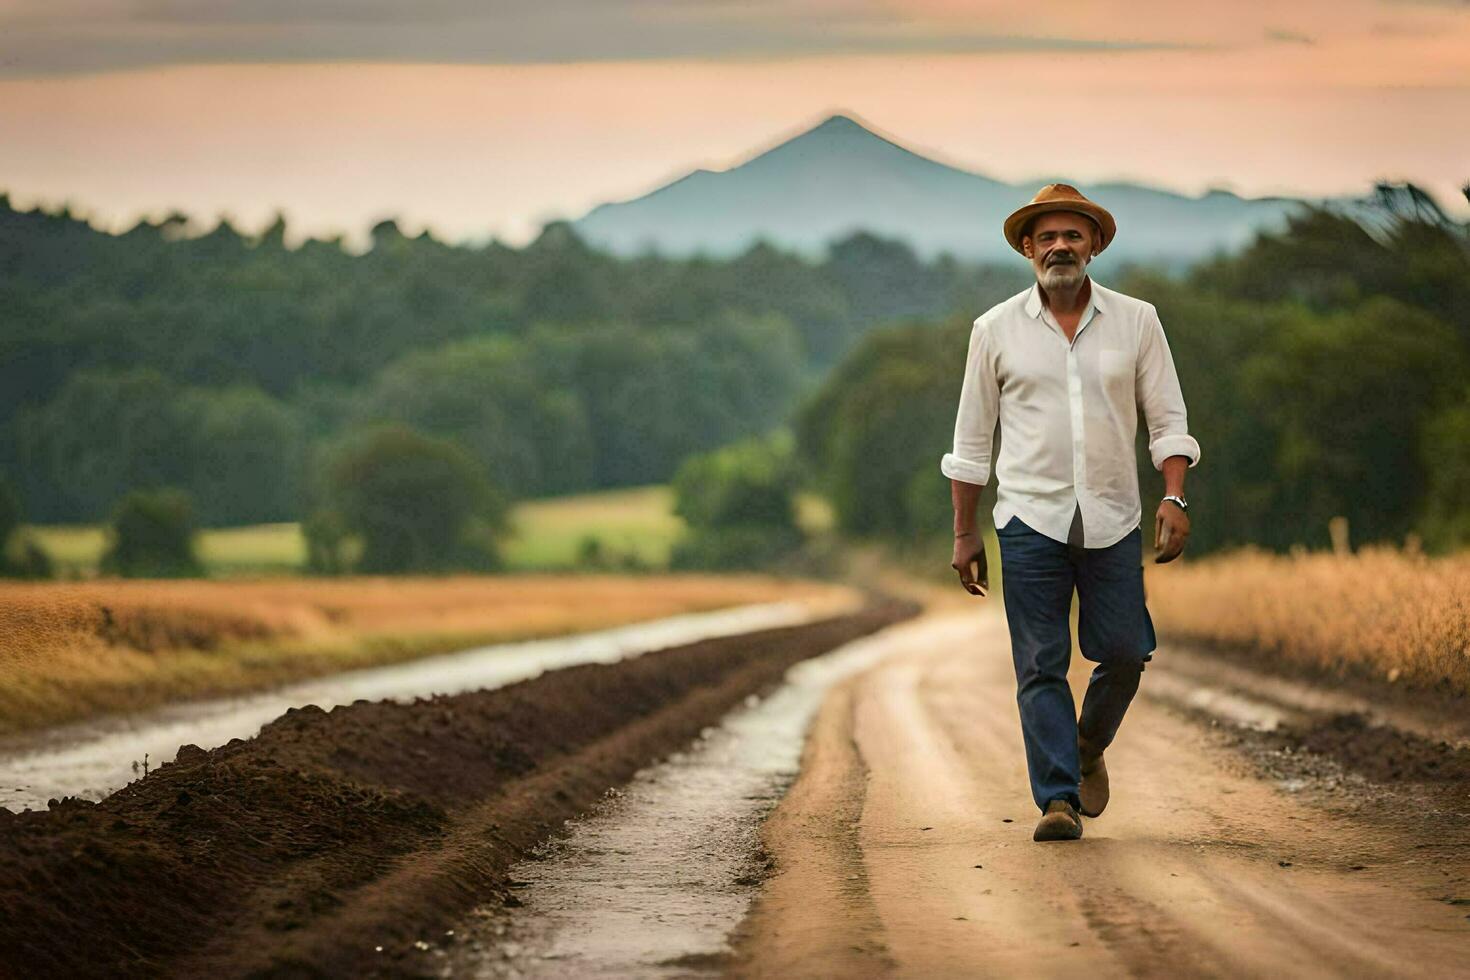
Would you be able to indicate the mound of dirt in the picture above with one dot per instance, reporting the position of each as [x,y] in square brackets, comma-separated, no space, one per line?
[1382,753]
[304,850]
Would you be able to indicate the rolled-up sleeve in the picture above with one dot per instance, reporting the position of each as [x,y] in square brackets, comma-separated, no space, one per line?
[974,427]
[1159,395]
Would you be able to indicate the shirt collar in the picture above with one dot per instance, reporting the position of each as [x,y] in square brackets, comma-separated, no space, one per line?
[1033,300]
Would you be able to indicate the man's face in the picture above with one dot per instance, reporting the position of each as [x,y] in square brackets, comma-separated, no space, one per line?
[1060,245]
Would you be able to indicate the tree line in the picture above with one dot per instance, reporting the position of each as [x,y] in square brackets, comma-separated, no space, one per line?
[1326,369]
[396,402]
[229,365]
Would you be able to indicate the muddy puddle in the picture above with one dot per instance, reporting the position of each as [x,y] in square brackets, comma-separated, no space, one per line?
[651,883]
[93,759]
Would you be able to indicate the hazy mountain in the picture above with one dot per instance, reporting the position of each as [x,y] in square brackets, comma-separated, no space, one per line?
[840,177]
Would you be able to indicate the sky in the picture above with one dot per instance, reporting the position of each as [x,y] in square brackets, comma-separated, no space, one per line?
[479,119]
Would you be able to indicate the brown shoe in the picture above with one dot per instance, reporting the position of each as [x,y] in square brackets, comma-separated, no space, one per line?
[1060,822]
[1093,790]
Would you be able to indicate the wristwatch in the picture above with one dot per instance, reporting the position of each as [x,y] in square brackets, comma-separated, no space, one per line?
[1183,504]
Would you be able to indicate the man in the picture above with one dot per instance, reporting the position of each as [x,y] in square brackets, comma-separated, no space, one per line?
[1063,368]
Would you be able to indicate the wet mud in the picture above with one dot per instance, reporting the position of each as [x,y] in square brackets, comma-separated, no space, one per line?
[651,883]
[92,759]
[335,843]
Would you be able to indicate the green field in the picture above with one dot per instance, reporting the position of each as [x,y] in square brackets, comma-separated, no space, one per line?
[260,549]
[635,528]
[637,523]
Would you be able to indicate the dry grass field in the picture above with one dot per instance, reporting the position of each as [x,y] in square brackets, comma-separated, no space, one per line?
[1394,614]
[69,650]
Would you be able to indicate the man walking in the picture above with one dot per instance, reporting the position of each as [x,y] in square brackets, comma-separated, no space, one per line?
[1063,367]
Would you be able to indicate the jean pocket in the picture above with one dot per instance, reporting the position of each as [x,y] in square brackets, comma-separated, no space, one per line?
[1012,526]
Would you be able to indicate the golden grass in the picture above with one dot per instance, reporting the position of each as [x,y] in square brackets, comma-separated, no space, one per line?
[1394,614]
[73,649]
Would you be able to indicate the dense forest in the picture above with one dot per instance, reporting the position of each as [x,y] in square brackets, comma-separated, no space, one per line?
[1324,367]
[1326,370]
[218,363]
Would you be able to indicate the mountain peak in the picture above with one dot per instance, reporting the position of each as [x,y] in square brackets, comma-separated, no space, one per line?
[837,140]
[837,174]
[839,123]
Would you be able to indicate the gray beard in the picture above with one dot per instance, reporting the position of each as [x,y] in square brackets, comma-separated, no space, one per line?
[1062,276]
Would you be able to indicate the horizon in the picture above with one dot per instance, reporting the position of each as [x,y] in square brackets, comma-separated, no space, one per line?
[358,239]
[487,126]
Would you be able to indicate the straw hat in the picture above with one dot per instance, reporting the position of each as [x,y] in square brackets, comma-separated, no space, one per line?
[1059,197]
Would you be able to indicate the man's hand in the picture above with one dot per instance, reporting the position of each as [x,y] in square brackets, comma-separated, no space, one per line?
[1171,531]
[970,562]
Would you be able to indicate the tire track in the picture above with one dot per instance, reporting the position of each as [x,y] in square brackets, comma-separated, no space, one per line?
[1198,868]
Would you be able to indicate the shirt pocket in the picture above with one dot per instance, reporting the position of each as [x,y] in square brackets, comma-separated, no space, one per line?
[1116,368]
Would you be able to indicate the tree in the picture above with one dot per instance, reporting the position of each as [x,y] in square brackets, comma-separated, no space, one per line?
[418,503]
[1402,247]
[326,537]
[1346,397]
[246,455]
[20,555]
[1234,489]
[886,414]
[152,536]
[884,278]
[655,395]
[107,432]
[10,512]
[488,395]
[739,503]
[1445,452]
[751,482]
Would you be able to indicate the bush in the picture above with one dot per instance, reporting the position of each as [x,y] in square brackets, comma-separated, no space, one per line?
[590,552]
[739,502]
[750,546]
[327,539]
[152,536]
[21,556]
[417,502]
[1445,450]
[10,512]
[594,555]
[751,482]
[25,558]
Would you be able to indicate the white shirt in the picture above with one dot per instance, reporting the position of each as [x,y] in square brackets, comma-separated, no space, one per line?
[1068,413]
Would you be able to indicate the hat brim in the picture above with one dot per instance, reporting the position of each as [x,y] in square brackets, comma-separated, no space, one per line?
[1021,215]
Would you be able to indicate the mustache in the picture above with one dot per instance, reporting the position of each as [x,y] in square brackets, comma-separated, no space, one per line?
[1062,258]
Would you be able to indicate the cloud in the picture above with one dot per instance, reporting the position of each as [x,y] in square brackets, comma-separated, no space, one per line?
[99,35]
[1288,37]
[60,36]
[226,12]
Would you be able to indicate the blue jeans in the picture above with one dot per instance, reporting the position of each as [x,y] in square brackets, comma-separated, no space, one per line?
[1114,630]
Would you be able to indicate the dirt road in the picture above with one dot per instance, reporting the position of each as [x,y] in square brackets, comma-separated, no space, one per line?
[904,849]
